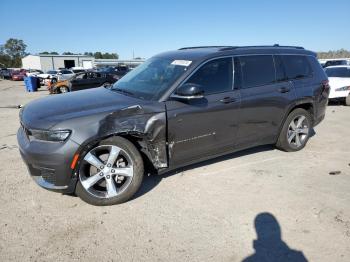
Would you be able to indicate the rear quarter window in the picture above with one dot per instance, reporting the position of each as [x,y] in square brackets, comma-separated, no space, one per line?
[296,66]
[257,70]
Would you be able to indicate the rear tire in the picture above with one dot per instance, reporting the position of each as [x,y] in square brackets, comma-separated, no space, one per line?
[63,89]
[111,187]
[295,131]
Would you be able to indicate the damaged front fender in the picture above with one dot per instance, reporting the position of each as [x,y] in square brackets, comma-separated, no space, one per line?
[148,128]
[146,125]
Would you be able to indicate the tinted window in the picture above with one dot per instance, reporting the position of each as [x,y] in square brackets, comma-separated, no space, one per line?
[280,72]
[214,77]
[338,72]
[257,70]
[296,66]
[335,62]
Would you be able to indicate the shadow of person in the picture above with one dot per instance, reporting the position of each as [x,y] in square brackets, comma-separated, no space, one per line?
[269,245]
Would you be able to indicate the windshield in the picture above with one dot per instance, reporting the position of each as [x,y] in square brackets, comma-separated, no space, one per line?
[338,72]
[52,72]
[151,79]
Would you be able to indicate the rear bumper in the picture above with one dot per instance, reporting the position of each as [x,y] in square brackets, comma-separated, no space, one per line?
[48,163]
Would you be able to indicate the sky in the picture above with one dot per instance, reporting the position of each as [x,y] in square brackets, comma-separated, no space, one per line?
[145,28]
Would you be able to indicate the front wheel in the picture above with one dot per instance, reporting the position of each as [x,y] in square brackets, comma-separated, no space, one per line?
[295,131]
[110,173]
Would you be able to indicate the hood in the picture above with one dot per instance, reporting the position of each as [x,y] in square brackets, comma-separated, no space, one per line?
[336,82]
[48,111]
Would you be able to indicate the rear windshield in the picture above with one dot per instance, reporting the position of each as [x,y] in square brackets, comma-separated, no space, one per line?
[338,72]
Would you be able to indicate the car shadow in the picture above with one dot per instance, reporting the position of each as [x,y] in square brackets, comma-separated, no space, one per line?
[269,246]
[150,181]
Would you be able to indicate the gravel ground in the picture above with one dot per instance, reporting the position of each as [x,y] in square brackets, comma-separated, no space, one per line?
[203,213]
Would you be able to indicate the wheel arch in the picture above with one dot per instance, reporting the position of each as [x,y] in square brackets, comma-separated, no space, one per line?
[306,104]
[152,162]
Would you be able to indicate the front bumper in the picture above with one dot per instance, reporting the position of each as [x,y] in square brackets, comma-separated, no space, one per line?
[49,163]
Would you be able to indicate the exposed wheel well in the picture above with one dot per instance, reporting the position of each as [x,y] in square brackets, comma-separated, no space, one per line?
[307,106]
[136,141]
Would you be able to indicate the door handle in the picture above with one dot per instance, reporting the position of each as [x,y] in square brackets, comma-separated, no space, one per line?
[283,89]
[227,100]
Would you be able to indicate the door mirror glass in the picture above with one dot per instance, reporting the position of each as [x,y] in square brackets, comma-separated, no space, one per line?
[189,91]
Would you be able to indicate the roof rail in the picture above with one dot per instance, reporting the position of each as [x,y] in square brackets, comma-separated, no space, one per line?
[198,47]
[225,48]
[259,46]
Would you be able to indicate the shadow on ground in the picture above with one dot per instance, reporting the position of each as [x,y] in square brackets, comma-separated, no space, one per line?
[269,246]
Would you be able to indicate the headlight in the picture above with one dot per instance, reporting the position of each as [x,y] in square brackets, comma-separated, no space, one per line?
[55,135]
[344,88]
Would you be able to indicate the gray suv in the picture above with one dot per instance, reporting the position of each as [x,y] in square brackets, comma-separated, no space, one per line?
[175,109]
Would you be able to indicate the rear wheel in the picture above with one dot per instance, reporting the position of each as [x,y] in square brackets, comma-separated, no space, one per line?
[110,173]
[64,89]
[296,131]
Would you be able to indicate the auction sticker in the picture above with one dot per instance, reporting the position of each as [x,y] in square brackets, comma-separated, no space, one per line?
[181,62]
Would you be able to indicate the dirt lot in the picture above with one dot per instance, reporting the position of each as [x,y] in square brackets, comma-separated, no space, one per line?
[205,213]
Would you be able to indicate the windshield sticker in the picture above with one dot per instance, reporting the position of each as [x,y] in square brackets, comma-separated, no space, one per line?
[181,62]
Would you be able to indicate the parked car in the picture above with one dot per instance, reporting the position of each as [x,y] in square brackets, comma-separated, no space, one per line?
[117,71]
[5,73]
[47,75]
[339,81]
[18,75]
[83,81]
[177,108]
[33,72]
[336,61]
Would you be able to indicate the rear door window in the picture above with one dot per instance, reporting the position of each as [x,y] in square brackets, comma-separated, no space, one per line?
[297,66]
[257,70]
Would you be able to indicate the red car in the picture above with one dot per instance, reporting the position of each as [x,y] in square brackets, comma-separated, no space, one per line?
[18,75]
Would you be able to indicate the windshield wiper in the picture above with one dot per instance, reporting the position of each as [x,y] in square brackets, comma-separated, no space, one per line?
[123,91]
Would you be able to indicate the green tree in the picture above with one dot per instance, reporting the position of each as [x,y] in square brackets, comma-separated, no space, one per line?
[68,53]
[48,53]
[12,52]
[98,55]
[341,53]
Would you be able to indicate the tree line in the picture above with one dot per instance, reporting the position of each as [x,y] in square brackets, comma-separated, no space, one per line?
[341,53]
[14,50]
[97,55]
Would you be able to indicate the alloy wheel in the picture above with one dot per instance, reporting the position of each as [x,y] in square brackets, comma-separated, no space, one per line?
[298,131]
[64,89]
[106,171]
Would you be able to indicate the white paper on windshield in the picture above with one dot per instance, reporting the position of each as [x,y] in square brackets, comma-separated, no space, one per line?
[181,62]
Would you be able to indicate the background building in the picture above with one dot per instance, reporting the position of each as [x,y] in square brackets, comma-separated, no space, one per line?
[54,62]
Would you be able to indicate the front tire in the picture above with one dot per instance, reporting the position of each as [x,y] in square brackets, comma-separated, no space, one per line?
[295,131]
[110,173]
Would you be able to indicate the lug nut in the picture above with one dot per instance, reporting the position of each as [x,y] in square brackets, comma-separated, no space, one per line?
[108,176]
[112,170]
[102,167]
[101,174]
[109,165]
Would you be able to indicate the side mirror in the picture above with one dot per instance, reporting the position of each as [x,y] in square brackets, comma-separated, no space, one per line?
[189,91]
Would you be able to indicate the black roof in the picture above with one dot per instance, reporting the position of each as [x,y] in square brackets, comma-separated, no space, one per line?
[203,52]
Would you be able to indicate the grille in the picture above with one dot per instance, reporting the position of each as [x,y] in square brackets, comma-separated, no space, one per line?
[48,175]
